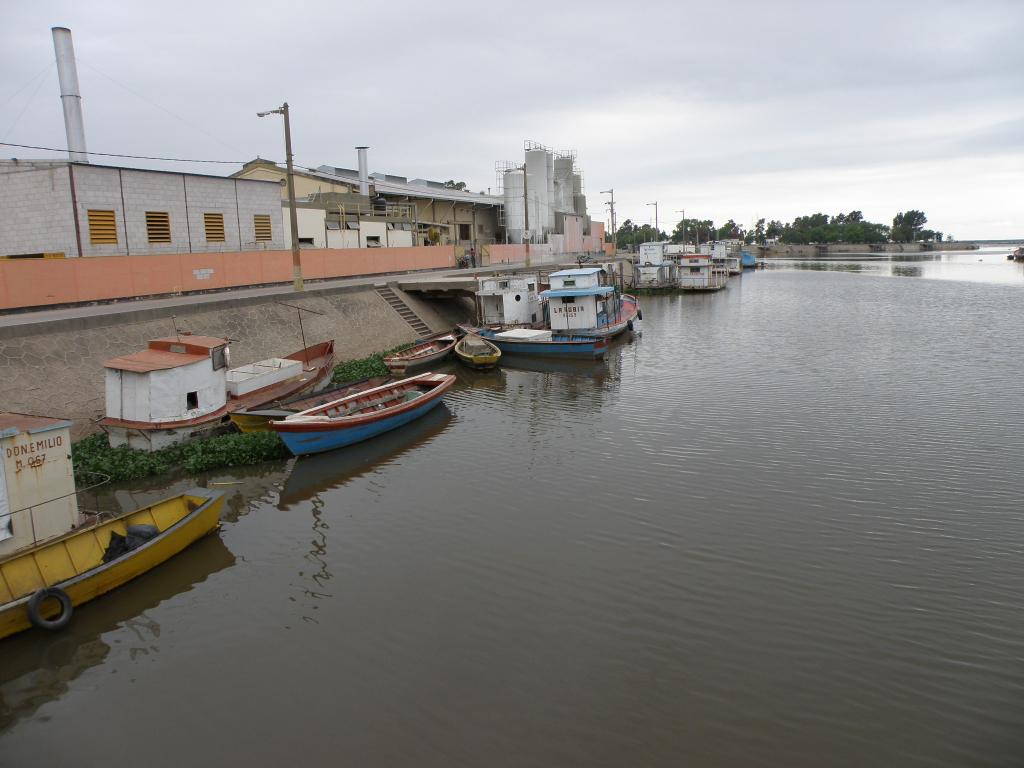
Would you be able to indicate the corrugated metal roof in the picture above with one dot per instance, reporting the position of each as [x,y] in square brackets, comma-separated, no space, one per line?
[12,424]
[153,360]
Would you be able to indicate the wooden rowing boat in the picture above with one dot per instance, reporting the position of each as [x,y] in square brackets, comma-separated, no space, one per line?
[258,419]
[364,415]
[558,345]
[43,584]
[477,352]
[428,352]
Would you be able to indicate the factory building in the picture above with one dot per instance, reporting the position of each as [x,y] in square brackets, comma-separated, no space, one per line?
[544,201]
[65,209]
[350,208]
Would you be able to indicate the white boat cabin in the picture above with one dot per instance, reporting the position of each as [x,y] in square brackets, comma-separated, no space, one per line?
[37,481]
[697,272]
[509,299]
[578,299]
[653,266]
[726,253]
[175,379]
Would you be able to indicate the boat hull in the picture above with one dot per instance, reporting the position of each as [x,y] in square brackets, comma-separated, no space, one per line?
[330,438]
[480,361]
[24,571]
[248,422]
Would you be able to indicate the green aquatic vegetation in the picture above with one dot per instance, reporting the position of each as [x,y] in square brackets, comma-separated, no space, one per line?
[365,367]
[93,456]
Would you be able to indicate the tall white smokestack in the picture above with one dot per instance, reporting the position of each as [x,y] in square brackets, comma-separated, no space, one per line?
[364,173]
[67,73]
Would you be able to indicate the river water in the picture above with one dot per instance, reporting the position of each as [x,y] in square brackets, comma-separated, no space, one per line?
[782,526]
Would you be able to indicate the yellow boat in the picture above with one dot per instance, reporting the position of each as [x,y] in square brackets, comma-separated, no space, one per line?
[477,352]
[41,585]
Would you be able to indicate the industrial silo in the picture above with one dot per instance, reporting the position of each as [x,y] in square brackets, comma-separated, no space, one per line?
[513,182]
[537,191]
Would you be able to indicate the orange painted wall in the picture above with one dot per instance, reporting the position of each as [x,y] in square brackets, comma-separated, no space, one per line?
[37,283]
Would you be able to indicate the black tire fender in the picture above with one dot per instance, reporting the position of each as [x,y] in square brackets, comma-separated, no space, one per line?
[35,604]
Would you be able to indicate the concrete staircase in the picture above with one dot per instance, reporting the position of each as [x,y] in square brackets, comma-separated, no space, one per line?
[403,310]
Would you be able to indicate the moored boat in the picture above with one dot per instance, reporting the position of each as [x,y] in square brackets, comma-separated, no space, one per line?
[579,303]
[526,341]
[181,386]
[428,352]
[258,419]
[363,415]
[477,352]
[41,585]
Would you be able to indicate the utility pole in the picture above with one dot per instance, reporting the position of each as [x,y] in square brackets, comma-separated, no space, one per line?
[611,205]
[683,211]
[655,204]
[293,217]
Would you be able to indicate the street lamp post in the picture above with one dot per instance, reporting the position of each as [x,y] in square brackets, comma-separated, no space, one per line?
[683,211]
[293,217]
[611,205]
[655,204]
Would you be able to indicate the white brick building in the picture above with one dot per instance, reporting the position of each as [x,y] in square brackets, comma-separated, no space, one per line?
[79,209]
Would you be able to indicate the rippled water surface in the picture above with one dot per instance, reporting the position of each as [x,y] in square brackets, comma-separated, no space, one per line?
[783,527]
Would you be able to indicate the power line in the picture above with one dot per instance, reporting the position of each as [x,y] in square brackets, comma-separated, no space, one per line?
[28,103]
[133,157]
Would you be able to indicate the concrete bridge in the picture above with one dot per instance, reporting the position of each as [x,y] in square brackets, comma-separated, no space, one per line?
[449,287]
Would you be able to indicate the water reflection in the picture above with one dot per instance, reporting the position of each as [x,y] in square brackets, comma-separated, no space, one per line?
[38,667]
[986,265]
[310,475]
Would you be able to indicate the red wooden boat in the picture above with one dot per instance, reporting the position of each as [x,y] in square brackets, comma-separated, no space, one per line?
[433,350]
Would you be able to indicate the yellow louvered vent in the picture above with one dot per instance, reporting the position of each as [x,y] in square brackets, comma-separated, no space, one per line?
[214,223]
[261,222]
[102,228]
[158,226]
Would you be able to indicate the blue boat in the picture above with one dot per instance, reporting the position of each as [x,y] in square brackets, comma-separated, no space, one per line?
[580,347]
[747,259]
[362,415]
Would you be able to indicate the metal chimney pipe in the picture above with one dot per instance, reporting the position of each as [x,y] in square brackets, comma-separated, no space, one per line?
[67,73]
[364,173]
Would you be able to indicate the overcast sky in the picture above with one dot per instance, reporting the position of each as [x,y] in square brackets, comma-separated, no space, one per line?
[727,109]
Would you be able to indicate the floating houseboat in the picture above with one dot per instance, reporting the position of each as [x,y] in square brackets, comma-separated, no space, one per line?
[509,300]
[697,272]
[364,415]
[580,304]
[54,558]
[181,386]
[652,268]
[726,254]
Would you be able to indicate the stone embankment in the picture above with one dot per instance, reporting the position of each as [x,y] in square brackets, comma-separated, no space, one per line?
[54,367]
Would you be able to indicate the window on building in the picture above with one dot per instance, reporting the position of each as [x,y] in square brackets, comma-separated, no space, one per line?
[568,299]
[191,401]
[568,283]
[306,241]
[214,224]
[158,226]
[261,223]
[219,357]
[373,241]
[102,228]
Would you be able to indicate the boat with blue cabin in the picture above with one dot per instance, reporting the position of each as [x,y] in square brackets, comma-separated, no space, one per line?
[363,415]
[579,302]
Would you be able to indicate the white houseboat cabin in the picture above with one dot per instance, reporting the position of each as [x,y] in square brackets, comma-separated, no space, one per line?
[652,268]
[577,299]
[37,481]
[697,272]
[726,253]
[509,300]
[154,397]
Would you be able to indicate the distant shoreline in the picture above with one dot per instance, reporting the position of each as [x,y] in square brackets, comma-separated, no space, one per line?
[780,251]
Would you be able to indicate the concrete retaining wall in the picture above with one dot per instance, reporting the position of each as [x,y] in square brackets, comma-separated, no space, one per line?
[56,368]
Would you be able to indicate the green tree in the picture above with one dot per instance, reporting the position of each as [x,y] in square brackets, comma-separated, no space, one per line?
[729,231]
[907,226]
[452,184]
